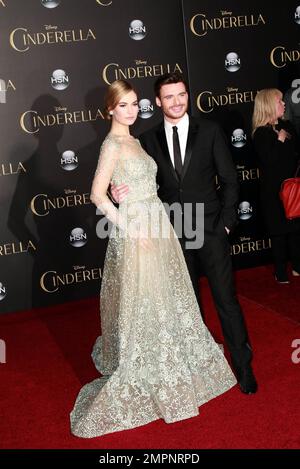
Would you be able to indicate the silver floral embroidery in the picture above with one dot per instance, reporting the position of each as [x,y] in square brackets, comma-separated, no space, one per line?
[157,358]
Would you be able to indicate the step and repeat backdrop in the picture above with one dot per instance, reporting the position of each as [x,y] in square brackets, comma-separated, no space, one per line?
[56,59]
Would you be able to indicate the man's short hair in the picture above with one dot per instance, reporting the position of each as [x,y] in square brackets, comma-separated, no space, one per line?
[168,79]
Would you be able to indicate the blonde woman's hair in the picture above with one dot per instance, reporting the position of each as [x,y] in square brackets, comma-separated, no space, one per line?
[114,94]
[265,107]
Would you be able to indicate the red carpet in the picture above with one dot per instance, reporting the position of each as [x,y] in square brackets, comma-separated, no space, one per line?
[259,286]
[48,361]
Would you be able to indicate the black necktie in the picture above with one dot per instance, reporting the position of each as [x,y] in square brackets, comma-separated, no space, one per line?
[177,153]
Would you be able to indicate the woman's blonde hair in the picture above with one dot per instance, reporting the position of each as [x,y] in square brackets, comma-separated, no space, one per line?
[265,107]
[114,94]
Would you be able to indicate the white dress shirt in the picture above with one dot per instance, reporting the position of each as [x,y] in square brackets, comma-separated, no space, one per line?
[183,130]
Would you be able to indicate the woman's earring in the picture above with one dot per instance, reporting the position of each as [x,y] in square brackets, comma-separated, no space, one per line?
[111,113]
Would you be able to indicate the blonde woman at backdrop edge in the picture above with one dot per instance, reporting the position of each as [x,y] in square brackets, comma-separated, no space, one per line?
[275,142]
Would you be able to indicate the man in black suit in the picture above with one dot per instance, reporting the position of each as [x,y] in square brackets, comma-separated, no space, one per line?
[189,158]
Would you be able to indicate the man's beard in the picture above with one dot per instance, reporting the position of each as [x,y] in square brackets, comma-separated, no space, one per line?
[168,113]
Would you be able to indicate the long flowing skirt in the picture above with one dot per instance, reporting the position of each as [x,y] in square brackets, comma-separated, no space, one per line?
[156,357]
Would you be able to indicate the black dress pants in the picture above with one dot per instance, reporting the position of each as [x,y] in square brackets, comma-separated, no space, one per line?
[285,248]
[214,261]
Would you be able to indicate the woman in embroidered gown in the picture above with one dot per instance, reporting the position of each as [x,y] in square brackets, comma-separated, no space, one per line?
[156,356]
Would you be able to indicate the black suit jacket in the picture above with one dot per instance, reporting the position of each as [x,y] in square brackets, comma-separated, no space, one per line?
[207,156]
[277,161]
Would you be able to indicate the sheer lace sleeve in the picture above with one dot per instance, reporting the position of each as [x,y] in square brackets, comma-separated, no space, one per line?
[108,158]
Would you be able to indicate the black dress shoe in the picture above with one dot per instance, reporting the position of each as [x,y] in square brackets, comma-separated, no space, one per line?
[282,279]
[246,380]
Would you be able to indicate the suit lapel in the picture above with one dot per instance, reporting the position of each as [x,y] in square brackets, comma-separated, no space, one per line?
[193,129]
[161,136]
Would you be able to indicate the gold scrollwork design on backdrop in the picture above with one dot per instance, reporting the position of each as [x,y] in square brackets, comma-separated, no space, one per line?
[245,246]
[200,25]
[206,101]
[141,69]
[8,169]
[41,204]
[9,249]
[21,37]
[51,281]
[280,57]
[60,117]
